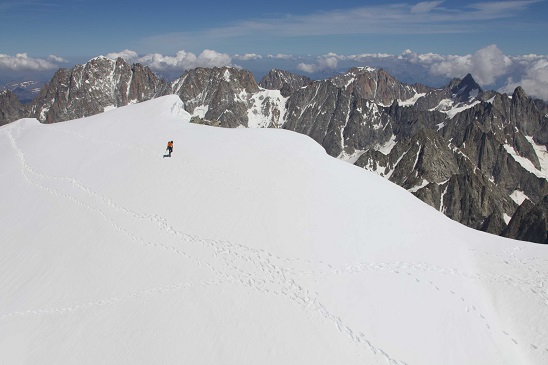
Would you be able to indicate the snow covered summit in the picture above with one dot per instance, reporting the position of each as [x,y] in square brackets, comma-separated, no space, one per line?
[246,246]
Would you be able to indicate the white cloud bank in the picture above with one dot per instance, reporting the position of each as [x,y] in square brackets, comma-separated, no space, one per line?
[248,57]
[22,62]
[535,80]
[183,60]
[280,56]
[486,65]
[328,62]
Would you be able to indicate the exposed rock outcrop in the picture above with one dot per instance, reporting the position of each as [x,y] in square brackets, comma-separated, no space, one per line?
[530,222]
[284,81]
[91,88]
[11,108]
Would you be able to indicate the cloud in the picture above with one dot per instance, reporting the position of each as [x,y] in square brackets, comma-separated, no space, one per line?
[209,58]
[247,57]
[280,56]
[501,9]
[22,62]
[425,6]
[57,59]
[158,62]
[307,67]
[182,60]
[126,54]
[424,59]
[489,63]
[535,79]
[485,65]
[366,56]
[323,63]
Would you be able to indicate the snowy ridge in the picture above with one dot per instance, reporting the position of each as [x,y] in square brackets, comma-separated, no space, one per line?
[246,246]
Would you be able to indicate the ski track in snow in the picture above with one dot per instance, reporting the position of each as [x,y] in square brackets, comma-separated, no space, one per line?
[265,272]
[535,282]
[113,300]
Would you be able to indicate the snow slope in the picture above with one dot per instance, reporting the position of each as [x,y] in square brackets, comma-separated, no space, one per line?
[248,246]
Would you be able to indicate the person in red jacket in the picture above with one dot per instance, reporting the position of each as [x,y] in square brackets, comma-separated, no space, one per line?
[169,148]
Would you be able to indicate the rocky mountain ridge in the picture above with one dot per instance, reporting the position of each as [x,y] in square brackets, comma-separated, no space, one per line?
[474,155]
[91,88]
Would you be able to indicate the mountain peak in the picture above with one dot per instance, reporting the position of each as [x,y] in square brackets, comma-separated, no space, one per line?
[363,70]
[100,58]
[519,93]
[466,89]
[469,83]
[284,81]
[469,79]
[109,83]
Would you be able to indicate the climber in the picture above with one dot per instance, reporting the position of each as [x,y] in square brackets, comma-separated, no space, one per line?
[169,148]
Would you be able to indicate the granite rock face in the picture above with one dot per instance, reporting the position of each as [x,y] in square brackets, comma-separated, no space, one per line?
[530,222]
[230,96]
[284,81]
[464,151]
[91,88]
[11,108]
[222,94]
[459,148]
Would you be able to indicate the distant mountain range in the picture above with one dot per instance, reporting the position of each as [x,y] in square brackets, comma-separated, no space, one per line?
[25,91]
[478,156]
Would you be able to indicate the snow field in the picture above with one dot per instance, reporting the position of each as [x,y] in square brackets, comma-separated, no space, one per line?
[247,246]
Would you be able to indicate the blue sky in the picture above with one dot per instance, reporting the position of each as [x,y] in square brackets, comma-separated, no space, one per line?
[83,28]
[285,34]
